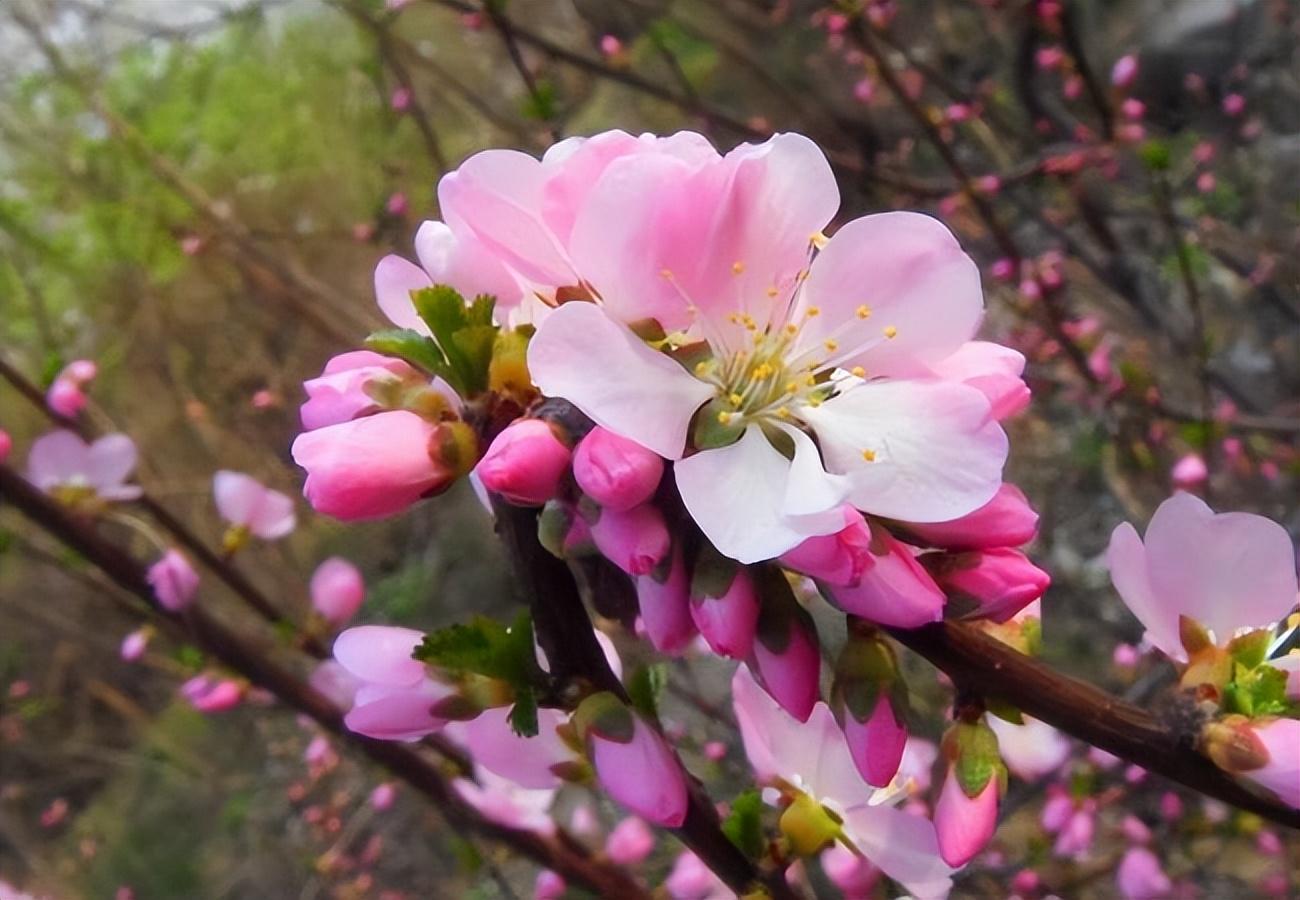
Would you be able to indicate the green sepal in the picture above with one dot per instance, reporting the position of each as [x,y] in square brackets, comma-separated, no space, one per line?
[604,715]
[1004,710]
[1249,650]
[645,687]
[712,574]
[865,668]
[464,333]
[744,824]
[553,525]
[972,748]
[711,431]
[809,826]
[411,346]
[523,715]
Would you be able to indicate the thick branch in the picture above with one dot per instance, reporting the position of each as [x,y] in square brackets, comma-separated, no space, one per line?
[254,663]
[973,659]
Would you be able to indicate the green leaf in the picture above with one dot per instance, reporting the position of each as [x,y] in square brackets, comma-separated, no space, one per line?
[744,825]
[484,647]
[523,717]
[1155,155]
[1251,648]
[646,686]
[541,104]
[411,346]
[464,333]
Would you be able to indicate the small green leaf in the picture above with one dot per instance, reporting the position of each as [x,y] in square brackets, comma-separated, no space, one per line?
[464,333]
[646,686]
[484,647]
[411,346]
[523,717]
[744,825]
[1155,155]
[541,104]
[1251,648]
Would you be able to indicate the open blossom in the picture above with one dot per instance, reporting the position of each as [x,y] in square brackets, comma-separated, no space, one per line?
[247,504]
[812,761]
[61,463]
[396,697]
[715,249]
[1227,571]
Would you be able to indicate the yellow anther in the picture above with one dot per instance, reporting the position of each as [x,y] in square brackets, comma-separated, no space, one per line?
[792,328]
[864,311]
[762,371]
[813,312]
[869,455]
[735,400]
[811,381]
[666,273]
[724,418]
[733,318]
[701,367]
[791,387]
[831,344]
[891,332]
[815,402]
[773,291]
[858,372]
[737,267]
[783,412]
[818,240]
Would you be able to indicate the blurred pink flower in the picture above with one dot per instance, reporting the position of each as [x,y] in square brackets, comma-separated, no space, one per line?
[61,463]
[1125,71]
[173,580]
[6,445]
[1189,471]
[396,699]
[630,842]
[134,644]
[1140,877]
[337,590]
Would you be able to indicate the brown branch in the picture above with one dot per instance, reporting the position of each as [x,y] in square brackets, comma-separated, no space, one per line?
[254,662]
[986,665]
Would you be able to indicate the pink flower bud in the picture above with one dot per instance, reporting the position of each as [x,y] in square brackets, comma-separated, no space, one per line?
[958,112]
[1135,830]
[837,23]
[65,397]
[134,644]
[173,580]
[1026,881]
[1003,269]
[728,622]
[339,393]
[785,659]
[1125,71]
[999,582]
[964,824]
[1206,182]
[636,540]
[1133,109]
[396,205]
[1126,656]
[525,463]
[853,874]
[216,697]
[896,590]
[6,445]
[665,607]
[1049,57]
[382,797]
[372,467]
[840,558]
[1189,471]
[400,100]
[1072,87]
[1140,877]
[610,45]
[877,744]
[691,879]
[396,700]
[632,761]
[1005,521]
[715,750]
[863,90]
[549,886]
[630,842]
[1234,104]
[615,472]
[1075,838]
[337,590]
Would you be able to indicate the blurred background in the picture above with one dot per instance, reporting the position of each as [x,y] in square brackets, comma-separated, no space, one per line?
[194,194]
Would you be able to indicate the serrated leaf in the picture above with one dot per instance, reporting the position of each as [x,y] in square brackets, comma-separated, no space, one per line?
[744,825]
[646,686]
[483,646]
[411,346]
[464,333]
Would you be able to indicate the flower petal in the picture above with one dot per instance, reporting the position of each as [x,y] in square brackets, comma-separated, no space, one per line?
[737,495]
[1127,559]
[911,274]
[462,262]
[55,458]
[585,357]
[811,490]
[936,453]
[904,846]
[395,278]
[380,654]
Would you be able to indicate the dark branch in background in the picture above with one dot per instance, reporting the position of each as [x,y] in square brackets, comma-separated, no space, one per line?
[564,631]
[1071,35]
[255,663]
[977,662]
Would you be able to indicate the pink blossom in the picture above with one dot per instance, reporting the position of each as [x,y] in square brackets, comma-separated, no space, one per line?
[134,644]
[1049,57]
[715,751]
[1003,269]
[635,540]
[61,463]
[1206,182]
[998,582]
[1234,104]
[691,879]
[1171,806]
[209,695]
[1005,521]
[1135,830]
[1075,838]
[615,472]
[895,590]
[337,590]
[634,764]
[1228,571]
[1189,471]
[1133,109]
[1125,71]
[1140,877]
[610,45]
[1031,750]
[342,391]
[372,467]
[530,762]
[173,580]
[964,824]
[502,801]
[525,463]
[854,875]
[549,886]
[264,399]
[752,501]
[991,369]
[665,607]
[383,796]
[630,842]
[1281,774]
[864,89]
[66,398]
[396,204]
[840,558]
[55,813]
[400,101]
[246,503]
[396,699]
[728,622]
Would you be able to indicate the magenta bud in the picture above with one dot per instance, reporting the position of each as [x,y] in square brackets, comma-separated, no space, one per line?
[877,744]
[665,607]
[998,583]
[785,659]
[134,645]
[632,761]
[728,622]
[1140,877]
[635,540]
[337,590]
[65,397]
[173,580]
[525,463]
[549,886]
[344,389]
[630,842]
[1189,472]
[1124,72]
[6,445]
[964,824]
[840,558]
[615,472]
[868,697]
[896,590]
[1005,521]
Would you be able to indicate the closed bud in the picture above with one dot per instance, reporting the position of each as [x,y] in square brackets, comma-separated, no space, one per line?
[867,697]
[346,388]
[895,590]
[724,604]
[837,559]
[635,540]
[632,761]
[337,590]
[785,659]
[65,397]
[525,463]
[1005,521]
[615,472]
[1124,72]
[990,584]
[173,580]
[665,606]
[966,813]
